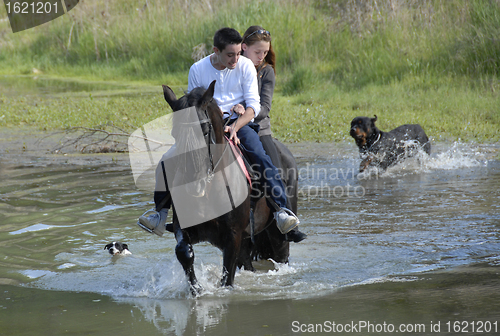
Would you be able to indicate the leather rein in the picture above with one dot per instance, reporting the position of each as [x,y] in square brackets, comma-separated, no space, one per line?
[210,140]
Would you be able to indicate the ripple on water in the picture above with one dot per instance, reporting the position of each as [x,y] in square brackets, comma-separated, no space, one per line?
[436,212]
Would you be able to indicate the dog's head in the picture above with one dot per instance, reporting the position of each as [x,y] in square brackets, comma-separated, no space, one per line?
[115,248]
[362,129]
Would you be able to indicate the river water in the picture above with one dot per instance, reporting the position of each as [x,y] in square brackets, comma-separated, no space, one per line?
[413,249]
[416,245]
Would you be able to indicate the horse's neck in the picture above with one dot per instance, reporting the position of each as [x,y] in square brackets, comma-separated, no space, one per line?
[218,128]
[221,144]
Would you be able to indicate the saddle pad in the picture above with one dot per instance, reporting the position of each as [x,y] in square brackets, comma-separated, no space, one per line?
[237,153]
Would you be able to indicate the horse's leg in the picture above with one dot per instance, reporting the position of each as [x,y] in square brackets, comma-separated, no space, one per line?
[185,255]
[229,256]
[245,255]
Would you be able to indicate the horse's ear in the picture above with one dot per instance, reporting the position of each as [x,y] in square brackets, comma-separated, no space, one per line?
[169,96]
[209,94]
[374,119]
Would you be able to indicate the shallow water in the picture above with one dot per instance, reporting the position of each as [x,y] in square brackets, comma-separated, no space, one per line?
[418,244]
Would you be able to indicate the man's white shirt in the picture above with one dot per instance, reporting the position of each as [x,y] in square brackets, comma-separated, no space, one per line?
[233,86]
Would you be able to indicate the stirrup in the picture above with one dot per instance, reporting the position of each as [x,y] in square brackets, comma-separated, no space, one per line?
[145,228]
[287,224]
[290,212]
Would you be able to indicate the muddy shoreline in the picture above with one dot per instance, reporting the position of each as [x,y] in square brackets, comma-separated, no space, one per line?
[30,145]
[33,147]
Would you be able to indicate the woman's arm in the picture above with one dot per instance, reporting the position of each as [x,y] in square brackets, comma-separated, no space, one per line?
[268,82]
[243,119]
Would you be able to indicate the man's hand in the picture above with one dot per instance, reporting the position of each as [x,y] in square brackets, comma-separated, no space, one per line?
[232,134]
[239,123]
[238,108]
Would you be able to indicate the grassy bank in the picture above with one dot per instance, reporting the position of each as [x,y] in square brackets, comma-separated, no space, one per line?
[432,62]
[448,112]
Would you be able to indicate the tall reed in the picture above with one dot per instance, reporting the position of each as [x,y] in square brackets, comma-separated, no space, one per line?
[345,43]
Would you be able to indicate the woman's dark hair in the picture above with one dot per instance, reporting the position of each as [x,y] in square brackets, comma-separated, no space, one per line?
[255,34]
[226,36]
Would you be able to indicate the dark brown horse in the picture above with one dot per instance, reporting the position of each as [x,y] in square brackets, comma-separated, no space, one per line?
[267,242]
[240,236]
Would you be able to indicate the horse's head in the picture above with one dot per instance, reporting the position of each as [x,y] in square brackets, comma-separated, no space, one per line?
[198,126]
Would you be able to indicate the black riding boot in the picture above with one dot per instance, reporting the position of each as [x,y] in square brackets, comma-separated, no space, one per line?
[295,236]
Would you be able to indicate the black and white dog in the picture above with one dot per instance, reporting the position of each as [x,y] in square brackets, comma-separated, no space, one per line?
[117,248]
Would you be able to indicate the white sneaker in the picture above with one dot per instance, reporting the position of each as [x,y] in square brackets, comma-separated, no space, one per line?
[286,220]
[154,223]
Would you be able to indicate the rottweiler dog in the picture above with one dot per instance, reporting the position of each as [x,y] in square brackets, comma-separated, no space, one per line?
[383,149]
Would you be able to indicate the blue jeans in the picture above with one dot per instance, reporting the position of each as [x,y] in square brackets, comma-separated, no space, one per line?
[269,175]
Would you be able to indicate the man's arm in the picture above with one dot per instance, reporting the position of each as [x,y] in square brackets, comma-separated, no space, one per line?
[250,86]
[251,96]
[243,119]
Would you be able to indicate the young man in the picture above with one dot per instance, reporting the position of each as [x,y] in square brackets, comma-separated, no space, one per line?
[236,86]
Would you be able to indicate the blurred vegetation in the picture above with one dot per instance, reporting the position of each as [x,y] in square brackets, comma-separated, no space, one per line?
[435,62]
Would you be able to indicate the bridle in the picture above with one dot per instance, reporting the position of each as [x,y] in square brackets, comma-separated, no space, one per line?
[209,137]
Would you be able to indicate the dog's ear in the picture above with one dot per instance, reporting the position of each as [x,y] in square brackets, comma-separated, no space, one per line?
[374,119]
[108,246]
[125,246]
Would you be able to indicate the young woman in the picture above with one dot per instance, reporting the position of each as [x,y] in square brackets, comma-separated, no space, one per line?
[257,47]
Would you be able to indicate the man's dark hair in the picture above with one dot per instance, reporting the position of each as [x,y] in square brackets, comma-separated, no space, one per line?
[226,36]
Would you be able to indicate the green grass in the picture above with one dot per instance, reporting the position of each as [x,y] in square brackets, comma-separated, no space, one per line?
[448,112]
[445,113]
[433,62]
[128,112]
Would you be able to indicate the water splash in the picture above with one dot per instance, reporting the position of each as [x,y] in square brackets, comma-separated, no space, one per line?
[458,155]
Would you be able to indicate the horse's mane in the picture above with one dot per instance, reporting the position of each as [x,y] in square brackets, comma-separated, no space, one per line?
[190,99]
[194,98]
